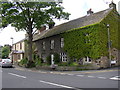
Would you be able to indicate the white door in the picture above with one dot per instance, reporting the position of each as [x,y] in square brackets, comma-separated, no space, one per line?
[52,59]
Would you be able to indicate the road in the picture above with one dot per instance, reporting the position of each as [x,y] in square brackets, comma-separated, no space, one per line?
[76,80]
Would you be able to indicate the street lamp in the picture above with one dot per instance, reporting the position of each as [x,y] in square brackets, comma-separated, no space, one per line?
[12,49]
[12,40]
[109,43]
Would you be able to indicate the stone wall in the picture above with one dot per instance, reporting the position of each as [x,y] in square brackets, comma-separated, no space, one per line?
[44,53]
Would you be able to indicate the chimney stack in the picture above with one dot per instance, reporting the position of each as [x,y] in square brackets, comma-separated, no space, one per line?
[89,11]
[112,5]
[42,29]
[51,25]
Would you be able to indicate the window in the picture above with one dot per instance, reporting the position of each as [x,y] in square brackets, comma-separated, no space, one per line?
[88,60]
[87,40]
[62,42]
[18,56]
[43,45]
[86,34]
[14,47]
[52,44]
[20,45]
[63,57]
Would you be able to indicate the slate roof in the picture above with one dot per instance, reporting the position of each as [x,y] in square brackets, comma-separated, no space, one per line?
[76,23]
[19,41]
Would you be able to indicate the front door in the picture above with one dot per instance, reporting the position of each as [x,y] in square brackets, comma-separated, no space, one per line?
[52,59]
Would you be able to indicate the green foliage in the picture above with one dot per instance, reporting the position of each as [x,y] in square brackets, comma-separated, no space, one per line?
[113,19]
[5,51]
[23,62]
[38,61]
[30,15]
[56,58]
[92,40]
[74,64]
[63,64]
[23,15]
[81,42]
[48,58]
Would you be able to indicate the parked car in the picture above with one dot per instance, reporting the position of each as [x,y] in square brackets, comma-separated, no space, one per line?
[6,63]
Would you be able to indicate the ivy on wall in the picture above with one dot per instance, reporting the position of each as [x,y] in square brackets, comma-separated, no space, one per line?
[92,40]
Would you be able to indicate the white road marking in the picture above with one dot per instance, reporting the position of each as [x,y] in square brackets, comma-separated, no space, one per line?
[51,72]
[42,72]
[17,75]
[29,70]
[55,84]
[63,73]
[56,73]
[80,75]
[102,77]
[116,78]
[91,76]
[1,71]
[70,74]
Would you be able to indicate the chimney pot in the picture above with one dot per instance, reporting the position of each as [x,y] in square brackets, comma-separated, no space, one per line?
[89,11]
[51,25]
[112,5]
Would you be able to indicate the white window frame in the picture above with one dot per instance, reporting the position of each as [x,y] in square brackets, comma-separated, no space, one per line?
[43,45]
[63,57]
[62,42]
[88,60]
[52,44]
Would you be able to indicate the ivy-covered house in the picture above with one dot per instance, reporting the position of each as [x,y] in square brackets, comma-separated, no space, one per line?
[90,39]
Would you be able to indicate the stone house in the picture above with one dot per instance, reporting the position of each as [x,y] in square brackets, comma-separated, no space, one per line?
[86,39]
[18,50]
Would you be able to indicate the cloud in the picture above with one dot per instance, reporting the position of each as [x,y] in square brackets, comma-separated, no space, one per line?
[9,32]
[77,8]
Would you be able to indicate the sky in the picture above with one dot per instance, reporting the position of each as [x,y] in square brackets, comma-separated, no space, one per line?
[77,9]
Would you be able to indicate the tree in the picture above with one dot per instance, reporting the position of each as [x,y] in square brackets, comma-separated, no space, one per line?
[5,52]
[28,16]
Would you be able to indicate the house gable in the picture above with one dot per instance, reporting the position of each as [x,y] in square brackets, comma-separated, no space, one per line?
[92,40]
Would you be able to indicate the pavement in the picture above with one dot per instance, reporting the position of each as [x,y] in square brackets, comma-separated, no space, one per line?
[74,72]
[90,73]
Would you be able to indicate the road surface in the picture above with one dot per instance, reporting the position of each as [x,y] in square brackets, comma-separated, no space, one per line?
[76,80]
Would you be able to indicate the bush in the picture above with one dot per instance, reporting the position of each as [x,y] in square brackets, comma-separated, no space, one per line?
[56,58]
[48,60]
[38,62]
[74,64]
[30,64]
[23,61]
[63,64]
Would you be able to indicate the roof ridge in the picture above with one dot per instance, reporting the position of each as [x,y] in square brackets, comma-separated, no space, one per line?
[84,16]
[19,41]
[75,23]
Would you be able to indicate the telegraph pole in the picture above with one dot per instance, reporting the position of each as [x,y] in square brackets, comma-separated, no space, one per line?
[109,43]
